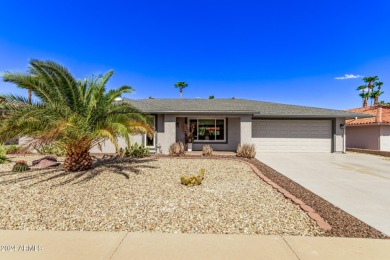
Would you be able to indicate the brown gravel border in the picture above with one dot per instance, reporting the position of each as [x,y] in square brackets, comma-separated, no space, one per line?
[342,224]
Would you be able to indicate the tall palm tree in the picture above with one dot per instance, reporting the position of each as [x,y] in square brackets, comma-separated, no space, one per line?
[181,85]
[370,83]
[74,115]
[375,94]
[363,94]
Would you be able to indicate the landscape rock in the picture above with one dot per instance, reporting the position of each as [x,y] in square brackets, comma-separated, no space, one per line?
[46,163]
[49,157]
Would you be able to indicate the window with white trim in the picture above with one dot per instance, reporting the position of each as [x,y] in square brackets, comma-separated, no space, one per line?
[151,142]
[209,129]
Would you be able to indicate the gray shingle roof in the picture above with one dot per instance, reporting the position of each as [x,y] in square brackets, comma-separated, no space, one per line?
[235,106]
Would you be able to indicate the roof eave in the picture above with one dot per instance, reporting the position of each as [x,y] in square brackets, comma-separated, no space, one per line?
[201,112]
[304,116]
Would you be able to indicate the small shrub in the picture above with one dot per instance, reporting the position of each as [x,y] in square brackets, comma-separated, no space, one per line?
[127,152]
[16,149]
[3,157]
[193,180]
[20,166]
[51,149]
[137,151]
[207,150]
[177,149]
[246,151]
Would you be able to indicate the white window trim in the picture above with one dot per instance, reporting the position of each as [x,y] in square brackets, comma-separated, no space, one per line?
[208,118]
[154,135]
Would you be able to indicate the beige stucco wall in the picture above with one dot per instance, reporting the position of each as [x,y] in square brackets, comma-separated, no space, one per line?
[239,130]
[365,137]
[180,122]
[246,130]
[339,141]
[385,138]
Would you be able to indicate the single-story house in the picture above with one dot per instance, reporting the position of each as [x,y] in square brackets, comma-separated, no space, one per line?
[370,133]
[225,123]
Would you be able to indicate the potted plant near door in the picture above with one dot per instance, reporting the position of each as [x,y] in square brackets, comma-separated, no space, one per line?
[189,136]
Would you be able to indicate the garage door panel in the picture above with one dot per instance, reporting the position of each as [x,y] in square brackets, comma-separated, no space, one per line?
[292,135]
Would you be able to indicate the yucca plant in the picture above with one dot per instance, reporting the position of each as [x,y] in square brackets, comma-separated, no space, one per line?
[74,115]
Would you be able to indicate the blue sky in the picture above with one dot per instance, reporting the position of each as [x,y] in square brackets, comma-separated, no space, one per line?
[277,51]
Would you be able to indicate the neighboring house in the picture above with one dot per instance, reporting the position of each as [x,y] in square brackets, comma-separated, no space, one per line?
[370,133]
[225,123]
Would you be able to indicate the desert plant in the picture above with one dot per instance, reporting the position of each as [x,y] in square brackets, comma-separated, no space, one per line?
[139,151]
[246,151]
[127,152]
[12,149]
[51,149]
[20,166]
[193,180]
[72,114]
[3,157]
[177,149]
[207,150]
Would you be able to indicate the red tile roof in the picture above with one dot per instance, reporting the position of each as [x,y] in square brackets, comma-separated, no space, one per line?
[381,113]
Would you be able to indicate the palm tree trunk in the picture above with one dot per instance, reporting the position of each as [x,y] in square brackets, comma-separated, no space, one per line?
[29,96]
[376,100]
[181,93]
[364,102]
[77,160]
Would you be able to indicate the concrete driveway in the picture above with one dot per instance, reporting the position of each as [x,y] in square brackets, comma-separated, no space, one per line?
[357,183]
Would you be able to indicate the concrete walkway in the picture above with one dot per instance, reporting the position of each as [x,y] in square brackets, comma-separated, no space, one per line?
[357,183]
[122,245]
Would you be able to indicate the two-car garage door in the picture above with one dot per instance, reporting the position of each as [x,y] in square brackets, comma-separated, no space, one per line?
[292,135]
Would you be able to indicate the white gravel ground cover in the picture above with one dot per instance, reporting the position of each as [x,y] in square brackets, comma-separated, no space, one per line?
[146,195]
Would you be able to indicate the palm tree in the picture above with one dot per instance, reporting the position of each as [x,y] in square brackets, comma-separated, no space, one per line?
[181,85]
[211,97]
[370,83]
[375,94]
[74,115]
[363,94]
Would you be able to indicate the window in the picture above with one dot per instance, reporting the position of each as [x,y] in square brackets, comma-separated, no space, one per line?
[151,142]
[209,130]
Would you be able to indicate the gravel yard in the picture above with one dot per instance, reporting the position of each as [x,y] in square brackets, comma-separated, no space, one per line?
[146,195]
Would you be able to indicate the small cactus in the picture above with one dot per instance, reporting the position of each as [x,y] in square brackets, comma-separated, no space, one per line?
[207,150]
[20,166]
[193,180]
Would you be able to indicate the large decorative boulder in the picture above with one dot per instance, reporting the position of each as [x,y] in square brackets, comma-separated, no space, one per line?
[46,162]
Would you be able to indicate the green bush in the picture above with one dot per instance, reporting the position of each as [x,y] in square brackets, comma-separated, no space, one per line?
[20,166]
[16,149]
[138,151]
[193,180]
[51,149]
[3,157]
